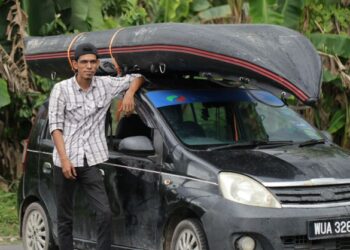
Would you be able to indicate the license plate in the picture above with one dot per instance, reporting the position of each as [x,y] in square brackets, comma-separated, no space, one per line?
[329,228]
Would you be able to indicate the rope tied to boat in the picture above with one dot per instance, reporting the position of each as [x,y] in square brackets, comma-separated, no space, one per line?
[69,48]
[114,59]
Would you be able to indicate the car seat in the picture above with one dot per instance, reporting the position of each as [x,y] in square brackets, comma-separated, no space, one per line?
[132,125]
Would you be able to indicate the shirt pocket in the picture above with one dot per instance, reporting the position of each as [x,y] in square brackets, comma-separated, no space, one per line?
[74,112]
[100,104]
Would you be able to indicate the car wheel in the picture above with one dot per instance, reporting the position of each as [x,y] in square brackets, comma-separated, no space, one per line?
[35,229]
[189,235]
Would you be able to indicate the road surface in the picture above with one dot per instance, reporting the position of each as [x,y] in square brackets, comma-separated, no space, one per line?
[17,246]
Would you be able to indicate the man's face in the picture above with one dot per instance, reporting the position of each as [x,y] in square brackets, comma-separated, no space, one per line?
[86,66]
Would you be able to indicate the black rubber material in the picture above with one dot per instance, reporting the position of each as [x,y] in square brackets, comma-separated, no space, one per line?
[195,227]
[35,206]
[269,53]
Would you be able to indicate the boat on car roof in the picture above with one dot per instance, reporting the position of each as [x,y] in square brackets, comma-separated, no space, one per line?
[273,55]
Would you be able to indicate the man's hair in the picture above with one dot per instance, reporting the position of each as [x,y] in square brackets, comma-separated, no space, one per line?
[84,49]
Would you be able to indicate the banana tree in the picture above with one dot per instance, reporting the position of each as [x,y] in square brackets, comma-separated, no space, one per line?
[14,82]
[61,16]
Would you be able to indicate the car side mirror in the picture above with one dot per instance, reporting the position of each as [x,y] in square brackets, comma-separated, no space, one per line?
[136,145]
[326,135]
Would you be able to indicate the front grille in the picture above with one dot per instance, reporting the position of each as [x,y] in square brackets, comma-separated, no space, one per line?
[312,195]
[301,242]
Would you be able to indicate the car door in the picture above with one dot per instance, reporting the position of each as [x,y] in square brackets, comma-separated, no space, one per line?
[46,186]
[82,226]
[132,184]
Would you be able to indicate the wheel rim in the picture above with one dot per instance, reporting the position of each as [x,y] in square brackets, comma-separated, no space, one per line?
[187,241]
[35,231]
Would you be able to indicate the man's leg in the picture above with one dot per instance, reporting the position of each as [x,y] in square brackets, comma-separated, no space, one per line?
[64,200]
[91,180]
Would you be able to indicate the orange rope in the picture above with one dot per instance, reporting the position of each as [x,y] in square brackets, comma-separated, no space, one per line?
[119,71]
[69,47]
[235,126]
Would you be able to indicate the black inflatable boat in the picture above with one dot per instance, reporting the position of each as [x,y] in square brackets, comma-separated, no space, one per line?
[272,55]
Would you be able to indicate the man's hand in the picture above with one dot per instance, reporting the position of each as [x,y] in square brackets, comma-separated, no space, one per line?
[68,169]
[128,104]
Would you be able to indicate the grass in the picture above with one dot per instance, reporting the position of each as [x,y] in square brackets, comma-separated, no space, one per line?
[8,215]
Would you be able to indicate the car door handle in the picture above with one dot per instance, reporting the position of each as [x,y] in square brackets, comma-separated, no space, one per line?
[47,168]
[102,172]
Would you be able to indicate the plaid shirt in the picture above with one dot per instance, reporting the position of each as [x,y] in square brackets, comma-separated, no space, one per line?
[81,116]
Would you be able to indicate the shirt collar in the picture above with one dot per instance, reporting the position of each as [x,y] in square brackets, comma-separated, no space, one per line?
[77,86]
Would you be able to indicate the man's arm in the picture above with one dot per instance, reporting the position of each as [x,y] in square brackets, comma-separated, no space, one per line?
[128,104]
[68,169]
[56,121]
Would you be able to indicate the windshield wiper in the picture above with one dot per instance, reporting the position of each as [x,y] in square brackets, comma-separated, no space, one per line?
[260,144]
[312,142]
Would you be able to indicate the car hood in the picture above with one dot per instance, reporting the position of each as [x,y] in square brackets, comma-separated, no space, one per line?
[283,164]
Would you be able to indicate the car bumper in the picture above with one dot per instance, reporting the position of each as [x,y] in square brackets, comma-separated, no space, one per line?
[272,229]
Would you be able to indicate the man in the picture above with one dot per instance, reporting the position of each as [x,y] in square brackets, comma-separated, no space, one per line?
[77,112]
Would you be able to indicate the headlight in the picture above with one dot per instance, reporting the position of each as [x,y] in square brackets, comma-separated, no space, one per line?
[245,190]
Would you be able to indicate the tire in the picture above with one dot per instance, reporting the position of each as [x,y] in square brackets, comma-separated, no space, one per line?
[36,230]
[189,235]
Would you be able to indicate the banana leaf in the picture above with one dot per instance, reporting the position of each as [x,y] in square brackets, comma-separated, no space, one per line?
[333,44]
[4,94]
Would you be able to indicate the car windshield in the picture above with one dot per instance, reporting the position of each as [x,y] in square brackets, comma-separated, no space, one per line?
[214,117]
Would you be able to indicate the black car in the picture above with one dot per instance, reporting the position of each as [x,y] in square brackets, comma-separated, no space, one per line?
[201,166]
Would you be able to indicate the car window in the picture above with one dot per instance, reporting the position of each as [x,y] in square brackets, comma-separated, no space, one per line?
[210,121]
[285,124]
[212,117]
[47,134]
[46,130]
[120,126]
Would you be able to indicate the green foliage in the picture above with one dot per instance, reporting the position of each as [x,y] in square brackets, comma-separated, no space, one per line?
[337,121]
[323,13]
[332,43]
[61,16]
[3,24]
[4,94]
[173,10]
[4,9]
[328,76]
[56,27]
[44,13]
[113,8]
[153,10]
[215,13]
[44,87]
[86,15]
[79,21]
[292,13]
[62,4]
[292,100]
[326,23]
[200,5]
[265,11]
[134,14]
[8,214]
